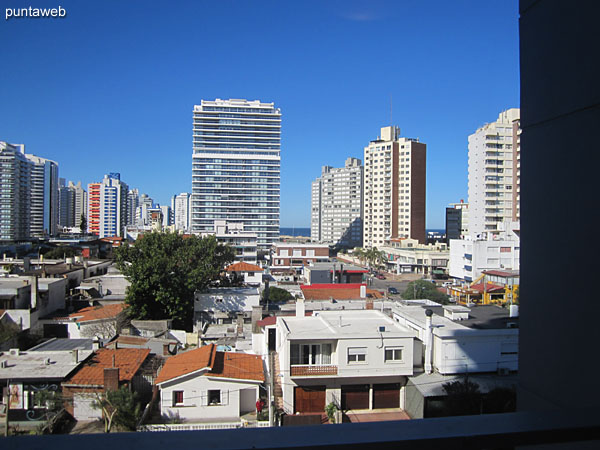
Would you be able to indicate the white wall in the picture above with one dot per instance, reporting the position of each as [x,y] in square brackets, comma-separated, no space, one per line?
[195,397]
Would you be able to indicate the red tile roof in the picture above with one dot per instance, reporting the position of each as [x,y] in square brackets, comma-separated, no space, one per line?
[241,366]
[243,267]
[502,273]
[271,320]
[187,362]
[336,291]
[98,312]
[128,360]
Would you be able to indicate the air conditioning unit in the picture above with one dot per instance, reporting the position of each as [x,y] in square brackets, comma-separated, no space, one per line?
[14,352]
[381,329]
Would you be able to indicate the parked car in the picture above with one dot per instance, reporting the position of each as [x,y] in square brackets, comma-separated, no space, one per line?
[393,290]
[380,277]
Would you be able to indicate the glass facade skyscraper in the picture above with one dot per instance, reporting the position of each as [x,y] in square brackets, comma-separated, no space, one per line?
[236,167]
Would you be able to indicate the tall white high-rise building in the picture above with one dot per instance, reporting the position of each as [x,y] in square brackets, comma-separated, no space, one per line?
[133,201]
[493,170]
[44,196]
[72,204]
[336,205]
[181,206]
[236,167]
[394,188]
[15,204]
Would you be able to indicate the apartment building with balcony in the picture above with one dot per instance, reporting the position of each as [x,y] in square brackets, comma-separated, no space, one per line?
[236,167]
[291,256]
[394,188]
[44,196]
[493,170]
[499,250]
[15,171]
[336,205]
[359,360]
[181,206]
[410,256]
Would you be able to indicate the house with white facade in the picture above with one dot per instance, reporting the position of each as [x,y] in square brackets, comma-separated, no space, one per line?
[405,255]
[250,273]
[222,305]
[101,321]
[207,385]
[457,339]
[359,360]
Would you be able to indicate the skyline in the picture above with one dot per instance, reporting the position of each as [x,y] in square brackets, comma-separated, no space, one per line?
[111,87]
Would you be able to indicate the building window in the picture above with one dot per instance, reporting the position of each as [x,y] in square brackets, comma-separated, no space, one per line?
[357,355]
[177,398]
[310,354]
[214,397]
[393,354]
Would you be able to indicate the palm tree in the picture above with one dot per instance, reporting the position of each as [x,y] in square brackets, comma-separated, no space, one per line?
[360,253]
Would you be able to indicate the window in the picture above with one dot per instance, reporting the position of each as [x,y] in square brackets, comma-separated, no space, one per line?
[393,354]
[177,398]
[214,397]
[357,355]
[310,354]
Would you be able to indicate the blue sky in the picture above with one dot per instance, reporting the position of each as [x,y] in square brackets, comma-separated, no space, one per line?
[111,87]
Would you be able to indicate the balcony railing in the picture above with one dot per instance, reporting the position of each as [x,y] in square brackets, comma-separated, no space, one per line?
[312,370]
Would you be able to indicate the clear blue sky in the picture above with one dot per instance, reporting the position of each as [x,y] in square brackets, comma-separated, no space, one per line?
[111,87]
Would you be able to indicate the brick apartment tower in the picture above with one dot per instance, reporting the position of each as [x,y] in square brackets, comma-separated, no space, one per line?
[93,215]
[394,188]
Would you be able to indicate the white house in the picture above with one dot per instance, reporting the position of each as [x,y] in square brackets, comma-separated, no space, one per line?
[101,321]
[464,340]
[221,305]
[355,359]
[205,384]
[252,273]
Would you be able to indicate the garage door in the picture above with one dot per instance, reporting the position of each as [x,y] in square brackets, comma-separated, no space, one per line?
[386,396]
[82,407]
[309,399]
[355,396]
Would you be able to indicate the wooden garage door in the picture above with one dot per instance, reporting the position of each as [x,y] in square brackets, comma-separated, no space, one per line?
[309,399]
[355,396]
[386,396]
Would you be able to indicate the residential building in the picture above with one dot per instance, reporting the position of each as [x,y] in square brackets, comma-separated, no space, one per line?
[72,204]
[244,243]
[250,273]
[410,256]
[107,370]
[339,291]
[15,190]
[463,340]
[327,272]
[107,206]
[133,201]
[290,257]
[221,305]
[457,221]
[167,216]
[24,374]
[181,205]
[44,196]
[336,205]
[93,208]
[99,321]
[236,167]
[143,211]
[492,172]
[356,359]
[491,250]
[206,384]
[394,188]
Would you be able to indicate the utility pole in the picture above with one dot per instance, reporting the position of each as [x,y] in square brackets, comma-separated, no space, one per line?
[7,407]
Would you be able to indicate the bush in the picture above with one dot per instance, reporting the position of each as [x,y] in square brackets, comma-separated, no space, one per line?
[277,295]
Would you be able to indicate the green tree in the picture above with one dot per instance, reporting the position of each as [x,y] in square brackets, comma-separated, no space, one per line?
[426,290]
[359,253]
[463,398]
[83,223]
[165,270]
[278,295]
[120,408]
[60,253]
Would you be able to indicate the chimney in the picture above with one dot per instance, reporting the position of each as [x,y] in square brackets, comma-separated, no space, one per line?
[363,291]
[256,316]
[428,341]
[369,304]
[333,277]
[240,324]
[300,307]
[95,344]
[34,291]
[75,356]
[111,379]
[266,291]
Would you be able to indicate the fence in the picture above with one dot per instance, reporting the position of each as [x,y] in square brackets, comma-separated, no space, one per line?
[202,426]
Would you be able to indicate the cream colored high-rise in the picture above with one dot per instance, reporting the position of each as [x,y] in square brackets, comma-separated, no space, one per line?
[394,188]
[494,154]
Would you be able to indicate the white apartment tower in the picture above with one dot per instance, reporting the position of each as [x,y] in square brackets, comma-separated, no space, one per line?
[15,177]
[181,206]
[113,206]
[493,172]
[336,205]
[44,196]
[394,188]
[236,167]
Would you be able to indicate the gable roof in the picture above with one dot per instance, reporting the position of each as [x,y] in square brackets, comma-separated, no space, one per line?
[243,267]
[186,363]
[240,366]
[127,360]
[489,287]
[98,312]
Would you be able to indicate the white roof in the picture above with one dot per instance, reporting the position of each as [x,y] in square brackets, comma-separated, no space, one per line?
[40,365]
[343,325]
